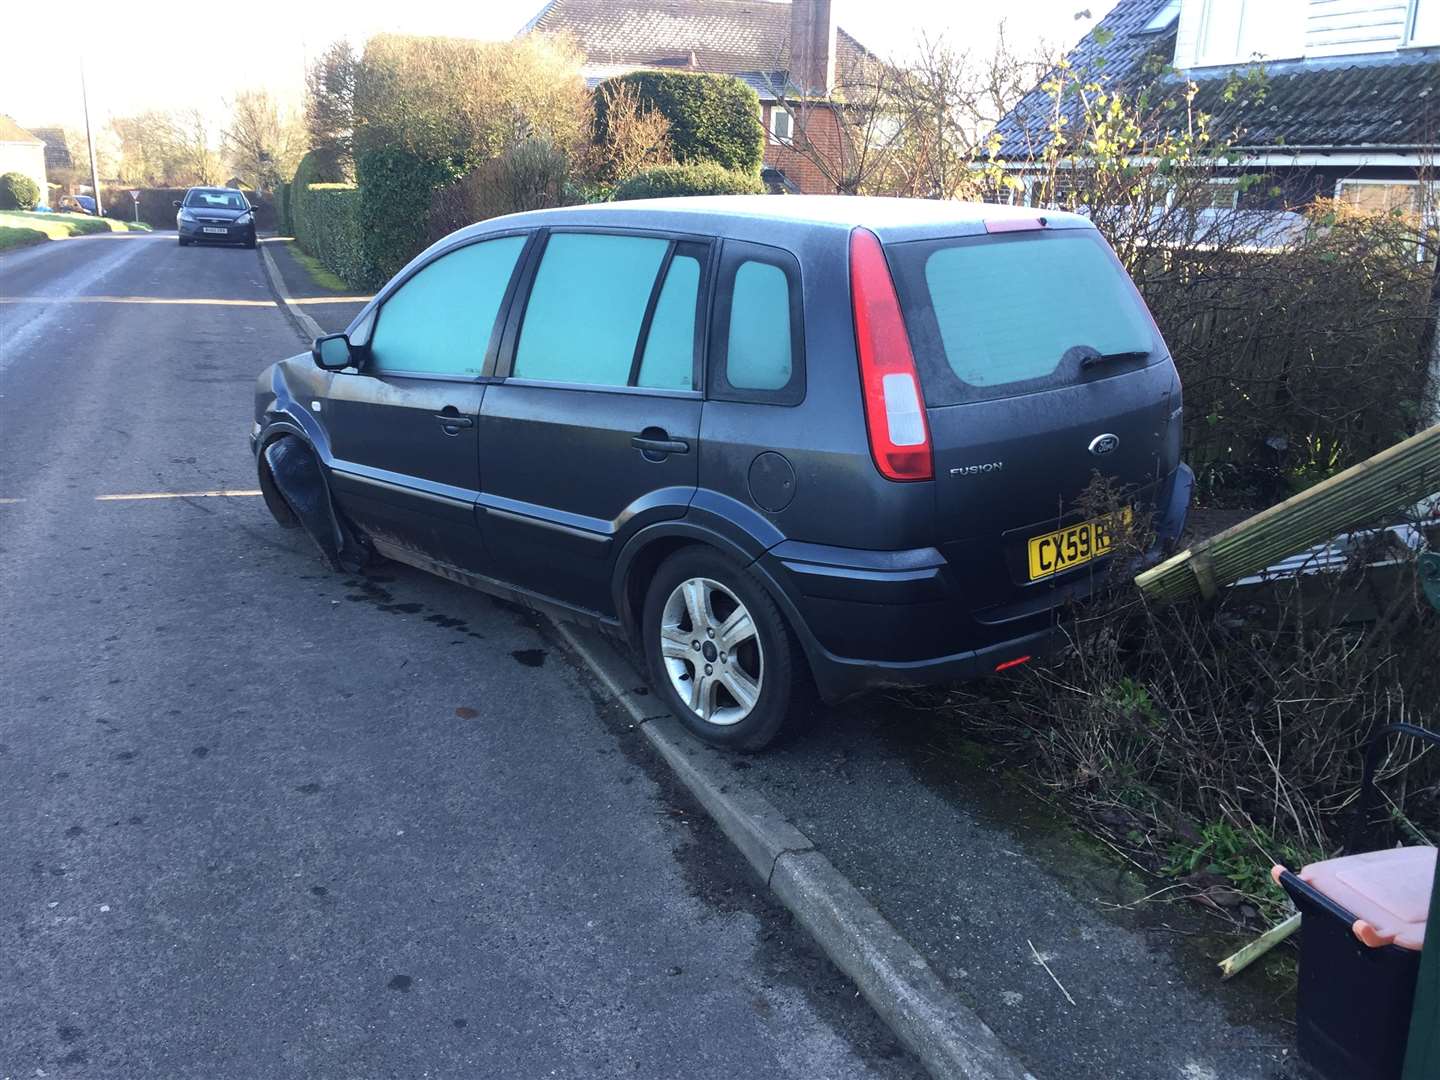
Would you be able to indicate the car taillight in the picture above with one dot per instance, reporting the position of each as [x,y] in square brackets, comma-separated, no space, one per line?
[894,409]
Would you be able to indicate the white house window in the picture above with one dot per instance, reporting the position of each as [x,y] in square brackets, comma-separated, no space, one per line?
[1422,27]
[782,125]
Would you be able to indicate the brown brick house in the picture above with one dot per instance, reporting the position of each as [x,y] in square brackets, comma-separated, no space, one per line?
[787,50]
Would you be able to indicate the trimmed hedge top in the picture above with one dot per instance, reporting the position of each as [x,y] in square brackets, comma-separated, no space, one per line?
[713,118]
[708,178]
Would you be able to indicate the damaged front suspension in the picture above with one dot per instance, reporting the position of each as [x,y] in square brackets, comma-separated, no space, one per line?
[297,477]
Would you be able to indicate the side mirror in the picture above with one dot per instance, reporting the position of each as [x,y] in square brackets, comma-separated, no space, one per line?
[175,203]
[332,352]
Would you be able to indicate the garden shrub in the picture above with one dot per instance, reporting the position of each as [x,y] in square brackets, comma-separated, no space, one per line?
[532,175]
[1210,739]
[713,118]
[705,179]
[332,232]
[18,192]
[326,223]
[283,220]
[429,110]
[395,188]
[1296,363]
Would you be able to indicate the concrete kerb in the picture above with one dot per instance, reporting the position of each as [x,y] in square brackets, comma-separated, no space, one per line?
[308,328]
[950,1040]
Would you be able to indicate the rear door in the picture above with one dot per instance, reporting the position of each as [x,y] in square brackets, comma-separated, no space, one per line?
[595,429]
[1042,370]
[403,428]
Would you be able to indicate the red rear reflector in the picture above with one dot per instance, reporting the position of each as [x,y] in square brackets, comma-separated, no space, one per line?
[894,408]
[1012,663]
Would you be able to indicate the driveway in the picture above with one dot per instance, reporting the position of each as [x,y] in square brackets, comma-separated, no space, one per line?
[264,820]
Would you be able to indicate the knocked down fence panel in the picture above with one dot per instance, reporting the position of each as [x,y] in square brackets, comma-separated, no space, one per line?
[1390,481]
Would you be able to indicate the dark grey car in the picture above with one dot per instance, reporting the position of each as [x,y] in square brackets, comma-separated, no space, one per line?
[215,216]
[776,443]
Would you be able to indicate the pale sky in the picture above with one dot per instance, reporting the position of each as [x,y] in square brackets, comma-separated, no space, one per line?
[199,54]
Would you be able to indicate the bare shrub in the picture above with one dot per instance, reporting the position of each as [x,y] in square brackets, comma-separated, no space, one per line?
[635,138]
[532,175]
[1299,362]
[1208,741]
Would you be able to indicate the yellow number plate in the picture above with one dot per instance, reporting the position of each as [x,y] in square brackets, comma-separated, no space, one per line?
[1056,551]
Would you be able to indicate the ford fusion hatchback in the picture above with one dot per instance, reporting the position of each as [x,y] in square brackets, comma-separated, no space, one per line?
[781,445]
[215,216]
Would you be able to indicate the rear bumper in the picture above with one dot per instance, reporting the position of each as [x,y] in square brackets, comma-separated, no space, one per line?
[869,620]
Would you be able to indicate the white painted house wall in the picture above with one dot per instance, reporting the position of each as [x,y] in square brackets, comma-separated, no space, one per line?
[1216,33]
[27,158]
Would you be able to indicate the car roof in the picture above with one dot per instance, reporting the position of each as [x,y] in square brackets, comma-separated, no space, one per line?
[891,219]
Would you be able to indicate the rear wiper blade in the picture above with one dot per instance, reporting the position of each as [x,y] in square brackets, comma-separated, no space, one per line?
[1090,356]
[1105,358]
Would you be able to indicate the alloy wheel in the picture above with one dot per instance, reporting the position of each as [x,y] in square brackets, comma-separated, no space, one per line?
[712,652]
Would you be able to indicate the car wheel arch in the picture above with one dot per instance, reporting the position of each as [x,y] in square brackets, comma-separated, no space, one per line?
[304,491]
[650,547]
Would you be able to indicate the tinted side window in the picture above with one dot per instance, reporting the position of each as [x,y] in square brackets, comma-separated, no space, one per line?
[758,327]
[440,321]
[586,308]
[758,346]
[669,359]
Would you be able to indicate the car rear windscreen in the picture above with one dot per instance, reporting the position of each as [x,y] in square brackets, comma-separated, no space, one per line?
[993,316]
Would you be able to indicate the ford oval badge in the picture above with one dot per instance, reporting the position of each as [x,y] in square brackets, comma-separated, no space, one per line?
[1104,444]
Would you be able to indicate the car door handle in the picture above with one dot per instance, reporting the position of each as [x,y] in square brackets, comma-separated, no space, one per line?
[660,445]
[453,422]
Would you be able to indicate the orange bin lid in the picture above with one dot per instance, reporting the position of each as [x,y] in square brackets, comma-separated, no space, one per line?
[1388,892]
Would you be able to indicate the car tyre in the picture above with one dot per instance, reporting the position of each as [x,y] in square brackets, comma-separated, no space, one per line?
[250,243]
[718,651]
[184,242]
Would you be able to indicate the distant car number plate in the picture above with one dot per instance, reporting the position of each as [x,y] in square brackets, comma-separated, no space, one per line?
[1065,548]
[207,228]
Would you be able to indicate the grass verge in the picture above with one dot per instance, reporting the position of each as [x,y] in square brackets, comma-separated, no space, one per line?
[20,228]
[319,273]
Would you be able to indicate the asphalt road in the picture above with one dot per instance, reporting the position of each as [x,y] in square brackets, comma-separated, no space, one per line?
[264,820]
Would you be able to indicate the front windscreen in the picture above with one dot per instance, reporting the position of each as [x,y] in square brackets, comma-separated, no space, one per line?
[216,200]
[1013,313]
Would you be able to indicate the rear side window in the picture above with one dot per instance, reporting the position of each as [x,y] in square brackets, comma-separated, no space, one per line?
[759,327]
[998,315]
[440,321]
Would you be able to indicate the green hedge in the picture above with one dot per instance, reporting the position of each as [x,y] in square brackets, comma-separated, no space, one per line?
[327,218]
[283,221]
[18,192]
[395,189]
[326,223]
[706,179]
[713,118]
[157,206]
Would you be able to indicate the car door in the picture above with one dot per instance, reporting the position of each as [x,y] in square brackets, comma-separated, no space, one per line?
[594,430]
[403,427]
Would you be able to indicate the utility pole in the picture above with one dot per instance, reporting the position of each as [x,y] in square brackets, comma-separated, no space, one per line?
[90,143]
